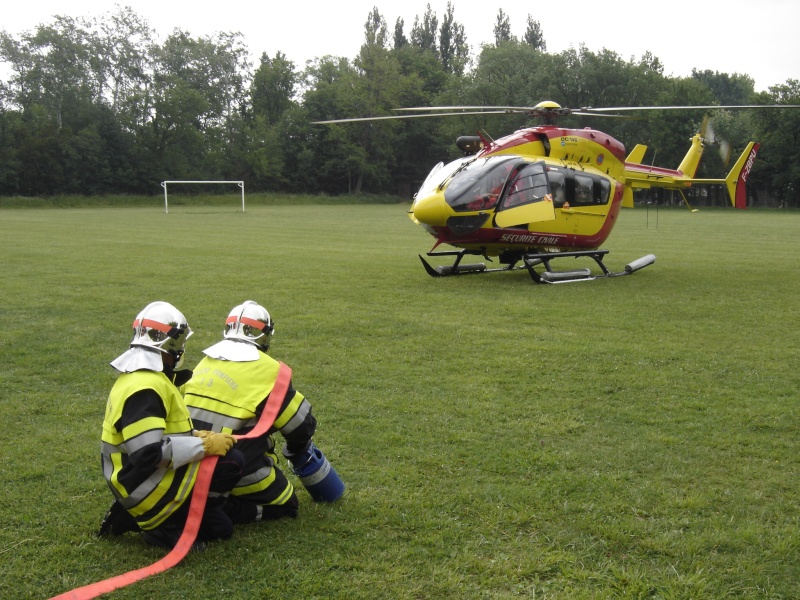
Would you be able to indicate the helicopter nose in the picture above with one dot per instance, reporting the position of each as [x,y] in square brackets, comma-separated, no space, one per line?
[431,210]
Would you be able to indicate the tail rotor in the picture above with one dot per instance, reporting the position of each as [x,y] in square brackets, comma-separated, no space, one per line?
[710,137]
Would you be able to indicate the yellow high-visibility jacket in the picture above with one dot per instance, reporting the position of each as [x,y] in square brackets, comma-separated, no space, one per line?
[144,410]
[229,396]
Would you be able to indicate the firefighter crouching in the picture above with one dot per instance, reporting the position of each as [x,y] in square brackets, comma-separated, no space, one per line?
[228,392]
[150,450]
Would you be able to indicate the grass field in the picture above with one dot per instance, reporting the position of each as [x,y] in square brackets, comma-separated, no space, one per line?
[634,437]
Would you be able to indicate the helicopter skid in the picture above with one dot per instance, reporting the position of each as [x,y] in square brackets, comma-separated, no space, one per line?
[532,260]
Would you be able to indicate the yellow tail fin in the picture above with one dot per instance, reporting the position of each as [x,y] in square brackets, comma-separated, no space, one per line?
[691,161]
[736,181]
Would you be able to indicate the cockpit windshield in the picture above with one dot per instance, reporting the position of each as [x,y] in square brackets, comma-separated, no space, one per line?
[504,182]
[479,184]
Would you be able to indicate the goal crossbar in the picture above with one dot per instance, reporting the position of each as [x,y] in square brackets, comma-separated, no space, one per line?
[164,185]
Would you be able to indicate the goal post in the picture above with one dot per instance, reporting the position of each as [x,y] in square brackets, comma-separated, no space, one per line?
[165,183]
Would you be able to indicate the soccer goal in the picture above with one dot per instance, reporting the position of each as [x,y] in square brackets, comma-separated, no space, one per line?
[164,184]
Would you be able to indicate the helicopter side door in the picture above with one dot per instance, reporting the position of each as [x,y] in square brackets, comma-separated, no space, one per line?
[527,198]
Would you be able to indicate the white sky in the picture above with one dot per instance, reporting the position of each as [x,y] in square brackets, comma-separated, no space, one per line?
[755,37]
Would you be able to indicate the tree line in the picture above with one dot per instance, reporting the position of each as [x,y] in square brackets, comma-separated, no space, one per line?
[100,106]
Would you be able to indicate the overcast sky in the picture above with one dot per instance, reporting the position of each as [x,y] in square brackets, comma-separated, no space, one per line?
[756,37]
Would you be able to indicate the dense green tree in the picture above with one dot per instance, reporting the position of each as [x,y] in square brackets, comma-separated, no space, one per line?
[644,85]
[727,89]
[400,39]
[263,151]
[420,143]
[198,87]
[534,35]
[376,33]
[98,106]
[258,153]
[502,28]
[11,125]
[453,47]
[65,138]
[424,33]
[37,153]
[333,158]
[669,131]
[378,88]
[777,170]
[274,87]
[119,57]
[509,74]
[51,68]
[646,81]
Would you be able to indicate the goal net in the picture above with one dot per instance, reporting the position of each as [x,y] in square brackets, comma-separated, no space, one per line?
[165,184]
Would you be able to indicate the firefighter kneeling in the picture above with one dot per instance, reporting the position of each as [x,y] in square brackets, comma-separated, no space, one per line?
[228,392]
[150,451]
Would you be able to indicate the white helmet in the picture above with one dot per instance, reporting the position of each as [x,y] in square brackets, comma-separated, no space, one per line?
[162,327]
[250,322]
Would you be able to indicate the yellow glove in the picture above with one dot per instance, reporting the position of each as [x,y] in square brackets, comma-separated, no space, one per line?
[217,444]
[202,433]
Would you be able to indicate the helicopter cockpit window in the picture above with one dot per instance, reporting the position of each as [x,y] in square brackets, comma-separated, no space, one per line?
[605,191]
[590,190]
[584,190]
[478,185]
[558,187]
[528,185]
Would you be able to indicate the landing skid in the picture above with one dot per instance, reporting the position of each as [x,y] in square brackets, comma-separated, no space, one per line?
[533,260]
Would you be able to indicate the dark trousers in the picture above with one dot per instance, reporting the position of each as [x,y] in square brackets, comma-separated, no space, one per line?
[216,525]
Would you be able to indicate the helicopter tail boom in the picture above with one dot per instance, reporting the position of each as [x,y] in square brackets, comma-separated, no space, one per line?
[640,176]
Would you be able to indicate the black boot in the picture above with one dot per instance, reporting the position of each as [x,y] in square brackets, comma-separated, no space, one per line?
[167,537]
[117,521]
[216,524]
[242,511]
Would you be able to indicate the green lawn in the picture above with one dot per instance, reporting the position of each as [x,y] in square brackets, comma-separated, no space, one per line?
[634,437]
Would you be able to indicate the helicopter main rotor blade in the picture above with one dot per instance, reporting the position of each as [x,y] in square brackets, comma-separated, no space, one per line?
[602,115]
[462,108]
[591,110]
[548,112]
[395,117]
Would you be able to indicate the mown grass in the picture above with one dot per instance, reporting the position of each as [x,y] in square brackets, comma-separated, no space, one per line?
[632,437]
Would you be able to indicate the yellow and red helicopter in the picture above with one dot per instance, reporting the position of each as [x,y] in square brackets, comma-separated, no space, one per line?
[544,192]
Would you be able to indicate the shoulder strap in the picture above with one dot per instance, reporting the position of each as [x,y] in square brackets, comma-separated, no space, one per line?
[273,406]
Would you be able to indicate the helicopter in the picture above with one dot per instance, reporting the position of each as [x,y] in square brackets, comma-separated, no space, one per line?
[545,192]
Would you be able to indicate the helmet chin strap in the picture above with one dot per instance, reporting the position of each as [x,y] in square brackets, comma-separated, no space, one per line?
[170,360]
[265,346]
[177,358]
